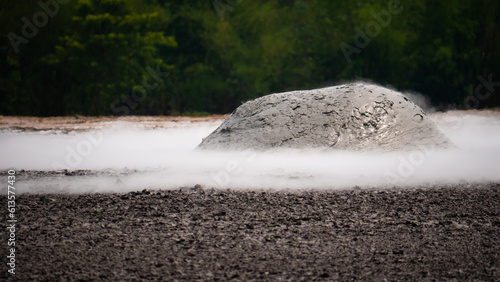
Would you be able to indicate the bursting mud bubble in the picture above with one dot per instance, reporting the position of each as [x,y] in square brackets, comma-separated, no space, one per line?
[352,117]
[160,154]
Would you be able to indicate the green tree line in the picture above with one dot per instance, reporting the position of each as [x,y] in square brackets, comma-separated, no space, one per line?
[163,57]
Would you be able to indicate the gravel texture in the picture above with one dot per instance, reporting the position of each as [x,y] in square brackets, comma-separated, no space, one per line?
[193,234]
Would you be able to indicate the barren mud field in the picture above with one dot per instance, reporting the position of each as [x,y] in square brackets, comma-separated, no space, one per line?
[419,234]
[424,232]
[84,123]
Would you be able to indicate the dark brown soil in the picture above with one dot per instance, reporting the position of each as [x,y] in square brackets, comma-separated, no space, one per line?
[442,233]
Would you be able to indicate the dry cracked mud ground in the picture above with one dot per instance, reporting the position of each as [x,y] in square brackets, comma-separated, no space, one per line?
[419,234]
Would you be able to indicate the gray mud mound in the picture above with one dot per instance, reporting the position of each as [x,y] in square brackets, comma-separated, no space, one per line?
[354,116]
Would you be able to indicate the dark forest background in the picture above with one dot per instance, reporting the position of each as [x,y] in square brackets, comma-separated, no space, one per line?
[162,57]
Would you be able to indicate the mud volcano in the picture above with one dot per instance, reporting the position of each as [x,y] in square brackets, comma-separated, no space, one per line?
[354,116]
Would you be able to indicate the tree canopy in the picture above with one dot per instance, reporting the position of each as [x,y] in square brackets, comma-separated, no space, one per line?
[162,57]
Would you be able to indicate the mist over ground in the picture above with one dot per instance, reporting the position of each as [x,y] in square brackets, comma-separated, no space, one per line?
[122,157]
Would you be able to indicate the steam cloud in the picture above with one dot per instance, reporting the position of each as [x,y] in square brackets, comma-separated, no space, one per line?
[129,159]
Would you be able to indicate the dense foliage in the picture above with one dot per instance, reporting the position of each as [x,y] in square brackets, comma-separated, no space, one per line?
[162,57]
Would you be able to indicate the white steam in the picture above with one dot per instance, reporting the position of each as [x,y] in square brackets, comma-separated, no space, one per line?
[128,159]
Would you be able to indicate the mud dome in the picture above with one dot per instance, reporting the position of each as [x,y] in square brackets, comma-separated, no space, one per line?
[354,116]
